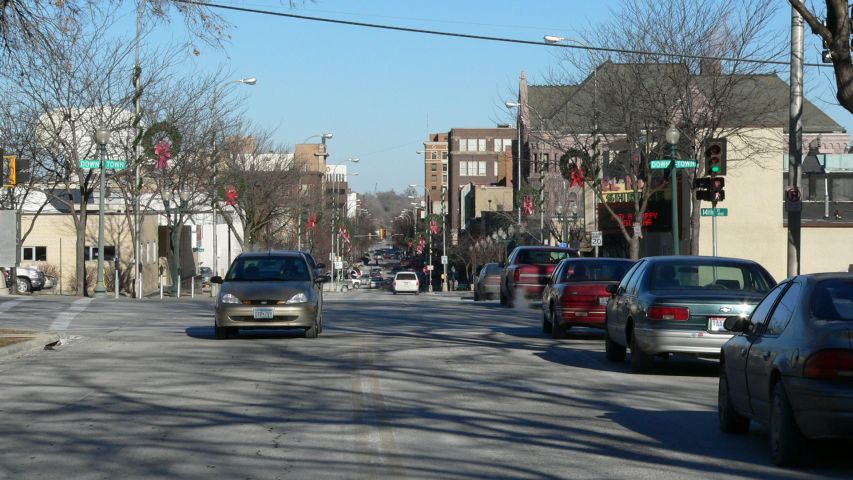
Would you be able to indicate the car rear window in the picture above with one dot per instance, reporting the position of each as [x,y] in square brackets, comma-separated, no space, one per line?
[269,269]
[406,276]
[746,278]
[832,300]
[596,271]
[542,256]
[493,269]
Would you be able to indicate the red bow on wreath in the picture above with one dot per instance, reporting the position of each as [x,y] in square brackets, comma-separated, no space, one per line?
[577,176]
[231,195]
[312,221]
[163,149]
[527,205]
[433,227]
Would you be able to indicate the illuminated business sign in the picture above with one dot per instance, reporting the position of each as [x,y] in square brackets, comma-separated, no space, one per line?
[656,218]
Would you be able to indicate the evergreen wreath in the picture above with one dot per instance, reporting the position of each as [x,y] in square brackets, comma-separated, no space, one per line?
[168,130]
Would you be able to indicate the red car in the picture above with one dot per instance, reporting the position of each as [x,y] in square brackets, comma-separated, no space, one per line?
[576,294]
[527,272]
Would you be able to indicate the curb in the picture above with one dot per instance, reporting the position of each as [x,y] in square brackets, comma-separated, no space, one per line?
[38,342]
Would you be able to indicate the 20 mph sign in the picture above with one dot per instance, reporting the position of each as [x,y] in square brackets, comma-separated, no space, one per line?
[793,200]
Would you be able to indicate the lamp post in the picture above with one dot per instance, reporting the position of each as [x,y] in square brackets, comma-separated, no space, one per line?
[672,137]
[517,106]
[102,137]
[214,116]
[335,246]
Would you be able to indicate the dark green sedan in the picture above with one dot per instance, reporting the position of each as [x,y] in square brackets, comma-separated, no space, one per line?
[678,304]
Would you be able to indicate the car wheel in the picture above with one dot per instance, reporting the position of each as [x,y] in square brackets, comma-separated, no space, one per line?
[546,322]
[312,331]
[641,362]
[730,421]
[558,330]
[510,302]
[24,285]
[476,296]
[220,332]
[503,298]
[612,350]
[787,443]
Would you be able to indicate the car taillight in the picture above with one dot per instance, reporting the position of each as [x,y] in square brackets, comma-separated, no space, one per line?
[830,364]
[517,275]
[679,314]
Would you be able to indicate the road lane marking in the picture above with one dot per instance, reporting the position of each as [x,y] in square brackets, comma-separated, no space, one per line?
[64,319]
[8,305]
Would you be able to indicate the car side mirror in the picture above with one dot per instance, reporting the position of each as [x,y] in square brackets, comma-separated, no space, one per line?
[216,279]
[612,289]
[737,324]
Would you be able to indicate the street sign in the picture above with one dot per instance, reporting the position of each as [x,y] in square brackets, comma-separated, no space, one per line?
[793,200]
[662,164]
[597,239]
[430,267]
[339,265]
[111,164]
[444,259]
[714,212]
[563,245]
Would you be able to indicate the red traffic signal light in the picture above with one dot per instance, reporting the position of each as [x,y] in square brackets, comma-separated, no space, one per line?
[715,157]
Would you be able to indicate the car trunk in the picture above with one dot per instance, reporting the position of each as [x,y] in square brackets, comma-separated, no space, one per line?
[586,295]
[707,309]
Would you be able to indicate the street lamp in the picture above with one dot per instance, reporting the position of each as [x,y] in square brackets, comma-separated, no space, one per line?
[517,106]
[672,137]
[335,246]
[323,137]
[102,137]
[216,94]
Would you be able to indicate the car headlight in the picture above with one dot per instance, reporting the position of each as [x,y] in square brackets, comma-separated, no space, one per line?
[228,298]
[298,298]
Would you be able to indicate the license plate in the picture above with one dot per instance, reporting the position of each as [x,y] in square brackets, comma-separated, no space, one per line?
[603,300]
[715,324]
[263,313]
[581,314]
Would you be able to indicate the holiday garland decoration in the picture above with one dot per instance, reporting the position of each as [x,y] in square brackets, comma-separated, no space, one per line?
[231,195]
[163,141]
[312,221]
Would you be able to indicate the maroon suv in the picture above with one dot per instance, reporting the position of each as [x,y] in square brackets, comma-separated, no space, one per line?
[527,272]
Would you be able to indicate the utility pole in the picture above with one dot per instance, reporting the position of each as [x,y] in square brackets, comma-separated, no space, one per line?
[795,139]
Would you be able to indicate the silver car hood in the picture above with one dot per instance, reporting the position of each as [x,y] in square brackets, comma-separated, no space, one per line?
[267,290]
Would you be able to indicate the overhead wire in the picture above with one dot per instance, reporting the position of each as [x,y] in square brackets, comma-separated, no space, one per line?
[492,38]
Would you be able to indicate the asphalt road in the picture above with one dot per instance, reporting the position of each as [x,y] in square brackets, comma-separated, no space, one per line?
[396,387]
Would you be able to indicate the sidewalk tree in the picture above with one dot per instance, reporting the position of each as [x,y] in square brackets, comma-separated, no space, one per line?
[611,122]
[835,33]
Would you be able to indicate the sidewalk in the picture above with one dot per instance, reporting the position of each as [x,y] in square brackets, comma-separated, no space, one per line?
[18,342]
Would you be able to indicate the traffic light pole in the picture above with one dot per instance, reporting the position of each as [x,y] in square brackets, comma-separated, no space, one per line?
[714,231]
[673,179]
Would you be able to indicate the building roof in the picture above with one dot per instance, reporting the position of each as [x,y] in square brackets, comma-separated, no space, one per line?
[754,100]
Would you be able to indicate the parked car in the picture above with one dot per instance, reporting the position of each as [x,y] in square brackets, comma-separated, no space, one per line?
[273,289]
[790,365]
[488,282]
[376,280]
[576,293]
[678,305]
[527,270]
[29,278]
[406,282]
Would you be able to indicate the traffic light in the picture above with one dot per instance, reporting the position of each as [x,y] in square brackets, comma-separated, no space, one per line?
[718,194]
[715,157]
[382,234]
[8,171]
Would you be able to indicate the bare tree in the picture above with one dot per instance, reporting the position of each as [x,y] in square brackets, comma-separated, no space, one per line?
[835,33]
[610,124]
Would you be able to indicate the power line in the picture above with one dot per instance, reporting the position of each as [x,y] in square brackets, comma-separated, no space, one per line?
[492,39]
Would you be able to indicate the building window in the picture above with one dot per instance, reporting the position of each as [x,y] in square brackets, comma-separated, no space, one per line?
[444,156]
[444,167]
[501,144]
[91,253]
[434,155]
[481,144]
[444,179]
[433,179]
[433,187]
[38,254]
[463,169]
[496,168]
[433,167]
[482,169]
[463,144]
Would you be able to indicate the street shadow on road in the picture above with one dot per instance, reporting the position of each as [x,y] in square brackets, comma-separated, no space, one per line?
[595,360]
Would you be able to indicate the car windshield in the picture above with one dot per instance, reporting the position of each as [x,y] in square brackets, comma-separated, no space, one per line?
[596,271]
[541,257]
[832,300]
[406,276]
[746,278]
[269,269]
[492,269]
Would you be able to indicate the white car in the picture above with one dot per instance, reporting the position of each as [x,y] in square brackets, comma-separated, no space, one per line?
[405,282]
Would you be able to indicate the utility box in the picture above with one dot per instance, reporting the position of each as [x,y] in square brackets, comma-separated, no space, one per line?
[8,238]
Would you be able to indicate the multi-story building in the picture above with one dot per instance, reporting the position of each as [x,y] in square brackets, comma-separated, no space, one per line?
[477,156]
[435,168]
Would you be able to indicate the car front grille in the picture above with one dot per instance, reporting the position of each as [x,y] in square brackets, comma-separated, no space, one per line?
[260,302]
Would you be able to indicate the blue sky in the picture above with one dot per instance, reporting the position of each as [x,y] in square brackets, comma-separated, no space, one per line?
[380,92]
